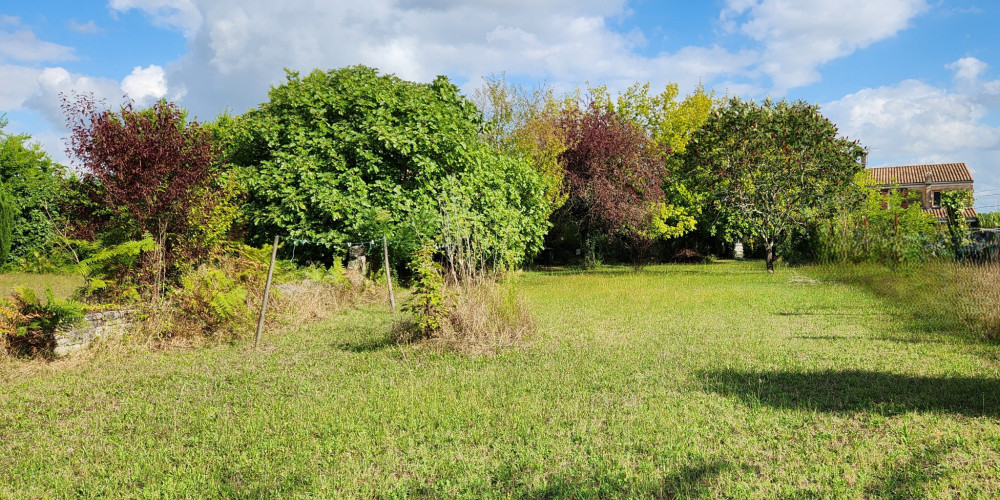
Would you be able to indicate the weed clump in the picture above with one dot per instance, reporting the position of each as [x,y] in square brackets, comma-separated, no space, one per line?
[474,315]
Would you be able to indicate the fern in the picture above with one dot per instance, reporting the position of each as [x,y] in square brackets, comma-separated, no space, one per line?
[29,325]
[109,272]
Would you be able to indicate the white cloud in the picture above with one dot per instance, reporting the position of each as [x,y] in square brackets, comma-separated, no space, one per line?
[53,82]
[145,85]
[177,14]
[914,119]
[969,79]
[23,46]
[800,35]
[913,122]
[237,48]
[20,82]
[87,28]
[968,68]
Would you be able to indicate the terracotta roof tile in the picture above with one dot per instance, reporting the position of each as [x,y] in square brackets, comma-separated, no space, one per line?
[942,214]
[917,174]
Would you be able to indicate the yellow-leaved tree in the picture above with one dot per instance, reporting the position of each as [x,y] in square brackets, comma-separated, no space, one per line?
[524,122]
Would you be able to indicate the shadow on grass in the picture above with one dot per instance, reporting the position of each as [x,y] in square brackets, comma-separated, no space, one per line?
[859,391]
[690,480]
[687,481]
[827,337]
[367,340]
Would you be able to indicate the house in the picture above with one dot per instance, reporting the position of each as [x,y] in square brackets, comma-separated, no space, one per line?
[928,181]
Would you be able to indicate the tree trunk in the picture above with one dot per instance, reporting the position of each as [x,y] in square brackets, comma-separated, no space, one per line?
[161,261]
[770,258]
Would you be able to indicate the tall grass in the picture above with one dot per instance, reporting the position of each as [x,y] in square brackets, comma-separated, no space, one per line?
[941,295]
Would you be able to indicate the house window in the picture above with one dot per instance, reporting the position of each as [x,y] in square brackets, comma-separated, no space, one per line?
[937,198]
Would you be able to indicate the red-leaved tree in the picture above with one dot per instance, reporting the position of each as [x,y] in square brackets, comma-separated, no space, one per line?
[146,165]
[613,173]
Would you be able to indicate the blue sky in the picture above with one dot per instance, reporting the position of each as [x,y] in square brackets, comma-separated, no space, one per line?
[914,80]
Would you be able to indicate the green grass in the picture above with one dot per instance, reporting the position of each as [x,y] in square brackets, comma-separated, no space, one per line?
[711,380]
[63,285]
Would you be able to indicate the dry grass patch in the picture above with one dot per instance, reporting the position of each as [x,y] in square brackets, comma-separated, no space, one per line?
[63,285]
[478,318]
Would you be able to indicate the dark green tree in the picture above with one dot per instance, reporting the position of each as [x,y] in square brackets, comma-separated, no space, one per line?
[6,222]
[768,168]
[34,184]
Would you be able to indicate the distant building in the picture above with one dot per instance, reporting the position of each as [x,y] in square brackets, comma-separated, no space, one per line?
[928,181]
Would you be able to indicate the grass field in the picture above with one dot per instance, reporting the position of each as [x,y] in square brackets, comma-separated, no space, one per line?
[63,285]
[675,381]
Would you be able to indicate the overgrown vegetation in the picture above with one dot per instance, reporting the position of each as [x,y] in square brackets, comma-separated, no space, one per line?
[870,226]
[144,169]
[948,297]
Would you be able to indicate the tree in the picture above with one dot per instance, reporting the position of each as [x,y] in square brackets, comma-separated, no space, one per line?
[955,202]
[613,175]
[145,166]
[338,156]
[768,165]
[6,221]
[525,124]
[667,121]
[35,185]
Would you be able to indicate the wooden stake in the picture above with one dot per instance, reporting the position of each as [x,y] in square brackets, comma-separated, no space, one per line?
[388,277]
[267,291]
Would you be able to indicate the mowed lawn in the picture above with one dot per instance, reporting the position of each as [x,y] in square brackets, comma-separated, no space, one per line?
[702,380]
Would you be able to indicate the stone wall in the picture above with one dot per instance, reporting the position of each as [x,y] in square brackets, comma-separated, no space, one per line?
[95,326]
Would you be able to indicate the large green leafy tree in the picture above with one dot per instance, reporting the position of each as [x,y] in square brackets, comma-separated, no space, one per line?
[353,154]
[33,182]
[770,166]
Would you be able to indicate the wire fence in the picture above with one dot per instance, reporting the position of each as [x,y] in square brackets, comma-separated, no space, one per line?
[936,292]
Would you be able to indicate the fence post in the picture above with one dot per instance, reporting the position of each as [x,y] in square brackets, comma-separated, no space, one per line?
[388,276]
[267,291]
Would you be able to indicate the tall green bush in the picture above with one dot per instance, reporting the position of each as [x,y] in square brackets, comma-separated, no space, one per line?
[6,222]
[954,203]
[989,220]
[36,186]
